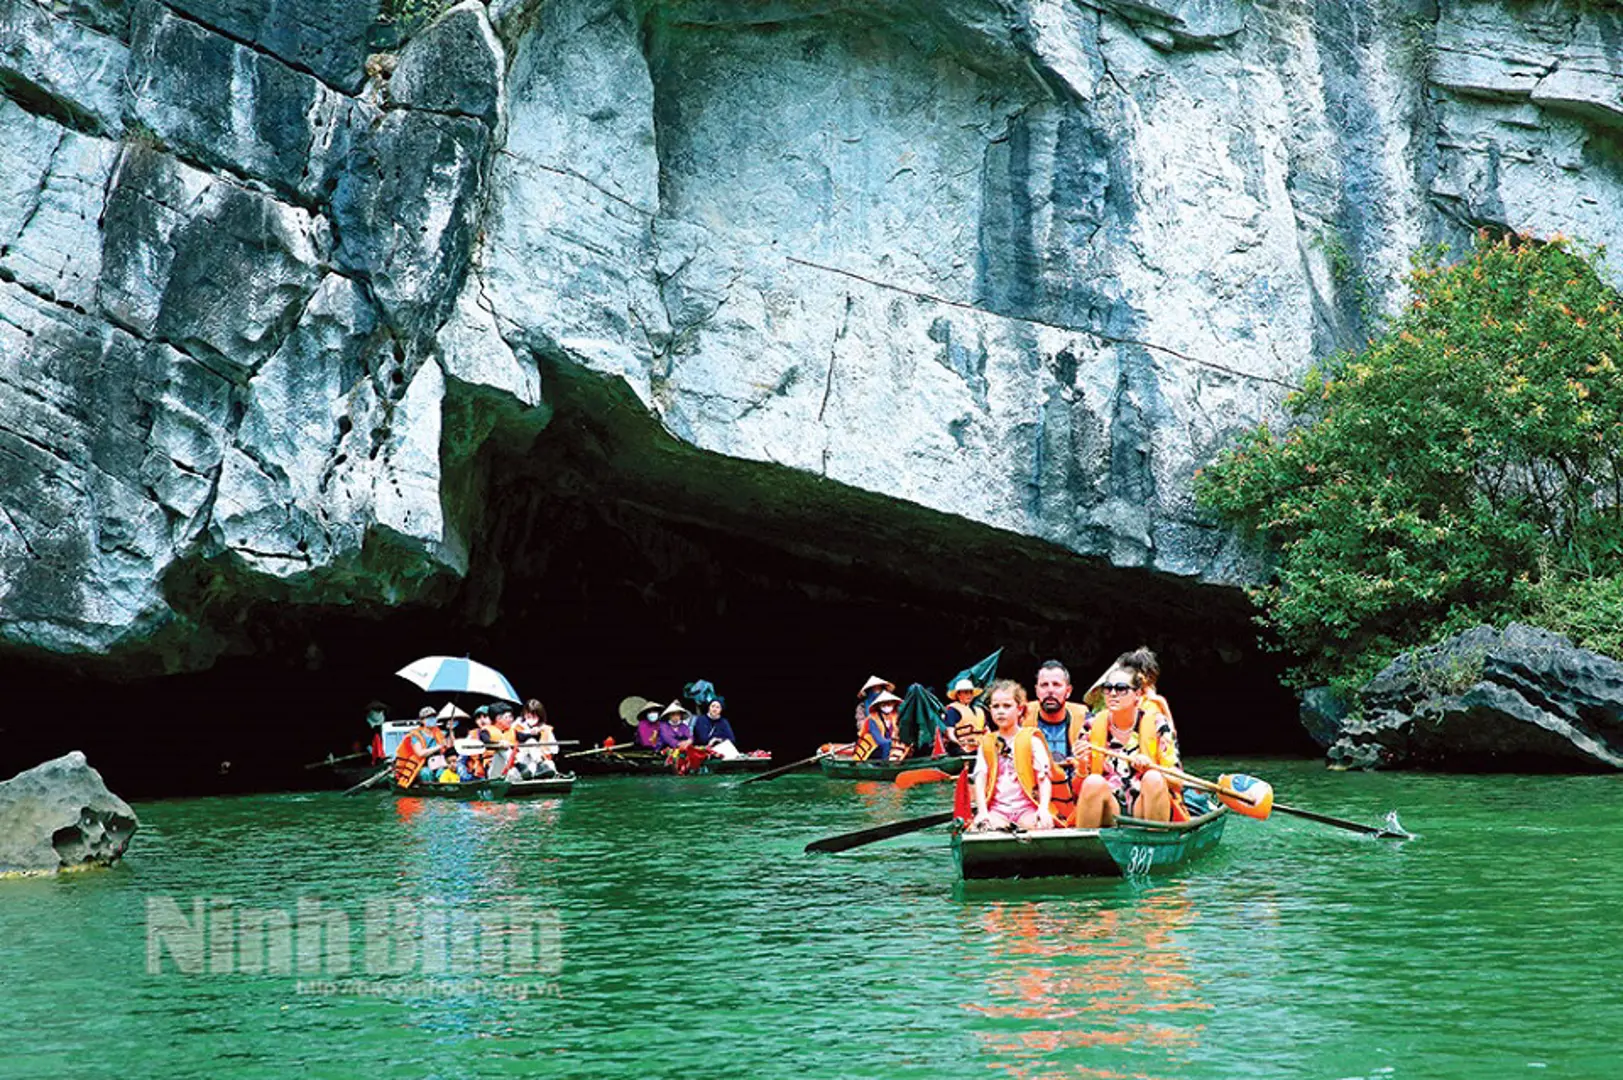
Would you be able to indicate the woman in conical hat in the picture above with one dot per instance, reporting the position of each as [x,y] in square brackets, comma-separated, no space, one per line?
[877,737]
[870,690]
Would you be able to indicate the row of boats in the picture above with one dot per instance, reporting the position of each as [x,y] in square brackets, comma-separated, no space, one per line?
[1128,848]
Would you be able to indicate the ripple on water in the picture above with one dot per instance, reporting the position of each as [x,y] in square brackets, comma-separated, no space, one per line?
[695,937]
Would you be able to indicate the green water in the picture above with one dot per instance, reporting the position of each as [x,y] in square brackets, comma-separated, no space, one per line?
[680,931]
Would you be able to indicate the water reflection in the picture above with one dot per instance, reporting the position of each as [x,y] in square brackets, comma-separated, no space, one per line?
[1097,983]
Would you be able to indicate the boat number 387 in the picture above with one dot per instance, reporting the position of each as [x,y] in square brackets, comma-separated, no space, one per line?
[1140,859]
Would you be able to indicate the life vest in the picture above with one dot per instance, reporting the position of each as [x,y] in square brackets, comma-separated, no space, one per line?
[874,738]
[1025,763]
[1147,743]
[414,751]
[1062,799]
[968,725]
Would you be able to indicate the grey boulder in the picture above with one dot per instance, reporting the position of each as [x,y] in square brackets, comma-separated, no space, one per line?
[1516,699]
[60,816]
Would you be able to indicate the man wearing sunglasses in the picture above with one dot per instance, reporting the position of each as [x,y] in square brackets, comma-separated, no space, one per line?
[1063,726]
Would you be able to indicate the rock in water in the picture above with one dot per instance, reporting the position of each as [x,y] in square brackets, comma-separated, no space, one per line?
[1513,699]
[60,816]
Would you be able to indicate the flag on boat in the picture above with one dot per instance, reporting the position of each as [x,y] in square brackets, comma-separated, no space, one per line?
[456,675]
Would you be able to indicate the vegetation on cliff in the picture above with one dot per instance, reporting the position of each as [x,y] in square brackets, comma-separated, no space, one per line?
[1467,466]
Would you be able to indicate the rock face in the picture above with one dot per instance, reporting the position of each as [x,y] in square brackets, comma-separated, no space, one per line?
[274,314]
[1518,699]
[60,816]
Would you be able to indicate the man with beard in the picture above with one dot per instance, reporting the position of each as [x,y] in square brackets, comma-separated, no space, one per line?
[1063,726]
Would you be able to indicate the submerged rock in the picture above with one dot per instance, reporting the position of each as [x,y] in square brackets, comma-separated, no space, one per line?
[60,816]
[1515,699]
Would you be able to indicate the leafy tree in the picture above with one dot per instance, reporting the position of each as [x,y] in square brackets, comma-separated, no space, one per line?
[1467,466]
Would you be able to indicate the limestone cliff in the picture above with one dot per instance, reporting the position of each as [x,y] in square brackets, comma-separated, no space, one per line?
[280,292]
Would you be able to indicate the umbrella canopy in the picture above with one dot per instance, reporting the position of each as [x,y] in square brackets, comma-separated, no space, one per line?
[454,674]
[982,674]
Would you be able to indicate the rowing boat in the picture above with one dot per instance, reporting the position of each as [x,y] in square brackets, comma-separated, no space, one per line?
[844,768]
[1127,849]
[617,762]
[491,790]
[744,764]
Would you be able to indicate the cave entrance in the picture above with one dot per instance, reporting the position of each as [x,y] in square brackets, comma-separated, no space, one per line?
[614,562]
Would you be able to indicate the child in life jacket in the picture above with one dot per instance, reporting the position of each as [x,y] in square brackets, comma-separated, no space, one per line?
[1011,780]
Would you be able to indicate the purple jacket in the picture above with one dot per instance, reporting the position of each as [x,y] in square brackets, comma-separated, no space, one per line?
[648,734]
[671,735]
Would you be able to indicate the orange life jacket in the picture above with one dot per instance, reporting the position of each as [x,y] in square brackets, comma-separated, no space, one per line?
[969,725]
[414,751]
[1148,744]
[1025,764]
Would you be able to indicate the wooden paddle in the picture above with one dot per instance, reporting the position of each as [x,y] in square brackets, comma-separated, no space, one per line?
[793,765]
[370,780]
[615,749]
[1390,830]
[330,760]
[914,777]
[847,841]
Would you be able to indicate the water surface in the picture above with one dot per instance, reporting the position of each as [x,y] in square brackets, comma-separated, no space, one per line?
[680,930]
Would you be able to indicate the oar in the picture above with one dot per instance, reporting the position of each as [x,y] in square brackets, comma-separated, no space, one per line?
[1261,799]
[596,750]
[370,780]
[793,765]
[330,760]
[846,841]
[914,777]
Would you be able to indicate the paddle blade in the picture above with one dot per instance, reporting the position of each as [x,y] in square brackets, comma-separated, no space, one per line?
[915,777]
[1246,795]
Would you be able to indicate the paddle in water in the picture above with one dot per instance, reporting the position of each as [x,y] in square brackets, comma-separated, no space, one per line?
[1255,798]
[847,841]
[793,765]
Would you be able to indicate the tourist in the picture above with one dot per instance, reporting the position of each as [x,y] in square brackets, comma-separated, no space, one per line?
[673,733]
[648,726]
[712,731]
[1113,786]
[1063,726]
[878,737]
[964,720]
[536,742]
[421,747]
[1013,770]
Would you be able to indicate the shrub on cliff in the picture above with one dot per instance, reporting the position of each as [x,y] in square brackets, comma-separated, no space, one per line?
[1466,467]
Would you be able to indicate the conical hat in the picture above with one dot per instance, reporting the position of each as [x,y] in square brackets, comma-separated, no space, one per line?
[674,707]
[451,711]
[882,699]
[875,682]
[631,708]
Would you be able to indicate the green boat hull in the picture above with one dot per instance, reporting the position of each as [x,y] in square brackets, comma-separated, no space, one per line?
[846,769]
[491,790]
[1128,849]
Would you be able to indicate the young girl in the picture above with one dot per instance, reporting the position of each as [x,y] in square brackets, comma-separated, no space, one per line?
[1011,780]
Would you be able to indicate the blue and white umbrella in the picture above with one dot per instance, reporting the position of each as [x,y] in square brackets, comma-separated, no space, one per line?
[458,674]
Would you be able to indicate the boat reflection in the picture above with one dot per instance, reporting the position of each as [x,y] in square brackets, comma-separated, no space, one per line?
[1097,987]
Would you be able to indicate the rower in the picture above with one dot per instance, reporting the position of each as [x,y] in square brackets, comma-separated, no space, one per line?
[964,720]
[865,698]
[878,738]
[1062,724]
[421,745]
[648,725]
[1128,725]
[1013,770]
[673,732]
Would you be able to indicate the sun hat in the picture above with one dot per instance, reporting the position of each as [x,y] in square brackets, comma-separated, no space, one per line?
[882,699]
[425,712]
[965,684]
[875,682]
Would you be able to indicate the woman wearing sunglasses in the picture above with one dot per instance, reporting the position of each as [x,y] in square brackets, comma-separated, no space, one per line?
[1129,725]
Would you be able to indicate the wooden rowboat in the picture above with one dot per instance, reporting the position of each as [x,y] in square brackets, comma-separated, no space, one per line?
[843,768]
[1128,849]
[490,790]
[744,764]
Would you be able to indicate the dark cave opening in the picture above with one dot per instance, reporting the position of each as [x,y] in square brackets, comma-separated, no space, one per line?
[612,564]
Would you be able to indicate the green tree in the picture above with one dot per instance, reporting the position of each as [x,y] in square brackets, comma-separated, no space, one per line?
[1467,466]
